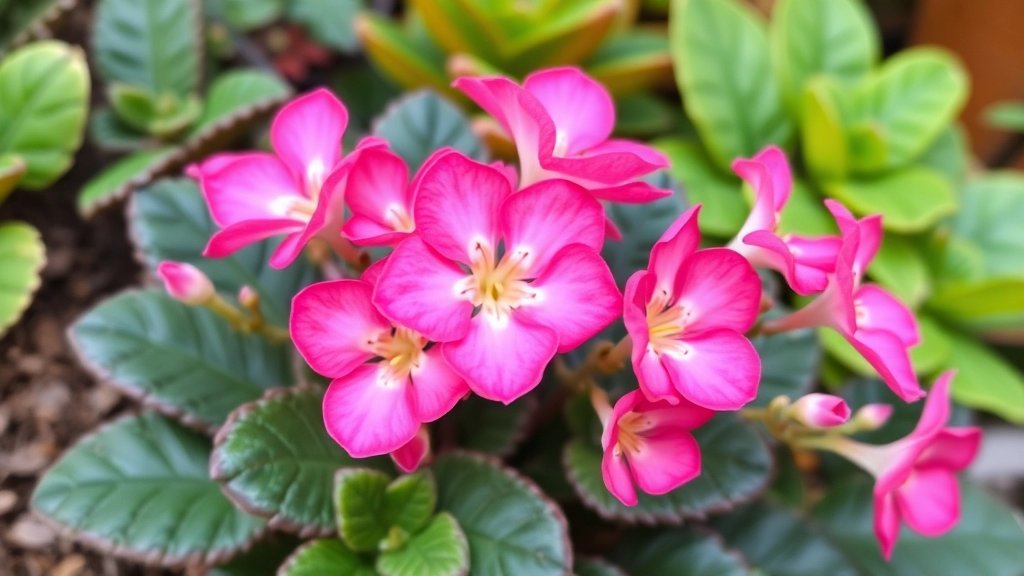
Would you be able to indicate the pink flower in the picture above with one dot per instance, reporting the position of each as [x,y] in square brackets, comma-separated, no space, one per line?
[820,411]
[872,416]
[298,191]
[915,477]
[649,443]
[561,121]
[414,452]
[804,262]
[687,315]
[185,282]
[370,408]
[878,325]
[548,292]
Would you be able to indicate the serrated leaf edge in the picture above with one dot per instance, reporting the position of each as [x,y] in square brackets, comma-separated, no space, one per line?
[37,280]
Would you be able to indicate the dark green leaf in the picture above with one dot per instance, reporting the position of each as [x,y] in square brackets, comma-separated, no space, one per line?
[262,560]
[110,133]
[677,552]
[439,550]
[328,21]
[323,557]
[789,364]
[909,200]
[140,487]
[421,122]
[492,427]
[22,256]
[238,95]
[644,115]
[723,207]
[597,567]
[991,211]
[22,20]
[245,15]
[118,179]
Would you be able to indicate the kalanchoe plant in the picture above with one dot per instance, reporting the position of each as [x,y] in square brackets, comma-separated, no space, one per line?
[446,297]
[157,108]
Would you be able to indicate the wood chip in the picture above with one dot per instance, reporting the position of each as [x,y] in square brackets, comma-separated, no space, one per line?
[29,532]
[71,566]
[8,500]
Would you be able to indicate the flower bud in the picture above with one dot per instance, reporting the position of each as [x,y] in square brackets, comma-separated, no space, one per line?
[248,297]
[872,416]
[820,411]
[185,282]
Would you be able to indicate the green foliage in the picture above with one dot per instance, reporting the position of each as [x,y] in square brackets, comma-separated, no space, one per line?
[440,549]
[419,123]
[789,364]
[22,20]
[321,557]
[492,427]
[984,380]
[723,207]
[140,487]
[1006,116]
[668,552]
[22,256]
[910,200]
[370,506]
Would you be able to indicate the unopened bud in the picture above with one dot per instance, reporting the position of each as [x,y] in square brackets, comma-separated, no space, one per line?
[186,283]
[820,411]
[872,416]
[248,297]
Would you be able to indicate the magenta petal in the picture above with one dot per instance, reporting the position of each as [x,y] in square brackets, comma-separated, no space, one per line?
[372,274]
[720,369]
[820,252]
[888,356]
[417,289]
[367,413]
[936,407]
[363,231]
[880,310]
[502,360]
[617,478]
[682,416]
[411,454]
[887,523]
[458,206]
[638,192]
[580,107]
[651,375]
[673,248]
[240,235]
[719,289]
[377,187]
[764,215]
[929,501]
[306,134]
[653,378]
[332,323]
[436,388]
[254,187]
[289,249]
[666,460]
[610,163]
[575,297]
[775,254]
[781,176]
[952,449]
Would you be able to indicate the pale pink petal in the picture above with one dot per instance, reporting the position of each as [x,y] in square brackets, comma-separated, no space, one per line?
[256,186]
[617,478]
[211,164]
[820,410]
[502,360]
[637,192]
[888,356]
[650,374]
[411,454]
[241,234]
[417,289]
[677,244]
[684,416]
[665,460]
[542,219]
[378,188]
[880,310]
[580,107]
[717,288]
[952,449]
[574,295]
[306,134]
[764,215]
[623,405]
[333,323]
[781,176]
[185,282]
[887,523]
[610,163]
[929,501]
[368,413]
[773,253]
[717,369]
[436,388]
[458,206]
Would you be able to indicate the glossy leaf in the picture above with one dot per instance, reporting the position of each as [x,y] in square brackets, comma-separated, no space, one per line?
[492,427]
[151,44]
[984,380]
[724,209]
[909,200]
[676,552]
[22,20]
[274,458]
[44,88]
[805,213]
[991,210]
[723,68]
[117,180]
[440,549]
[987,540]
[22,256]
[900,267]
[989,305]
[631,62]
[511,526]
[140,487]
[823,135]
[111,133]
[419,123]
[735,467]
[238,93]
[369,505]
[949,155]
[1006,116]
[789,364]
[321,557]
[170,221]
[328,21]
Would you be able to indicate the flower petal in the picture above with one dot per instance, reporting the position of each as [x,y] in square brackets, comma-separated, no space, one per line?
[772,252]
[638,192]
[580,107]
[306,134]
[887,523]
[332,323]
[880,310]
[616,476]
[953,449]
[929,501]
[518,112]
[411,454]
[888,356]
[610,163]
[369,414]
[673,248]
[781,176]
[718,369]
[363,231]
[719,289]
[378,187]
[623,405]
[241,234]
[436,388]
[417,289]
[820,252]
[683,416]
[764,215]
[936,411]
[665,461]
[650,374]
[256,186]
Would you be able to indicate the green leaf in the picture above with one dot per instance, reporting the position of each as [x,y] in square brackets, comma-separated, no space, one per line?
[987,540]
[369,506]
[411,60]
[996,304]
[183,361]
[512,528]
[809,37]
[262,560]
[931,354]
[597,567]
[274,458]
[909,200]
[22,256]
[677,552]
[151,44]
[789,364]
[236,95]
[644,115]
[632,61]
[949,154]
[328,21]
[991,210]
[136,107]
[912,99]
[492,427]
[775,541]
[984,380]
[724,208]
[12,170]
[440,549]
[120,178]
[1006,116]
[44,88]
[735,467]
[245,15]
[723,68]
[419,123]
[900,267]
[322,557]
[22,20]
[805,213]
[823,136]
[110,133]
[170,221]
[140,487]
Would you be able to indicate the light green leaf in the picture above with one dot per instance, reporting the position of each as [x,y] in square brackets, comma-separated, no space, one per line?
[44,88]
[440,549]
[236,99]
[632,61]
[1006,116]
[12,170]
[987,540]
[909,200]
[151,44]
[677,552]
[328,21]
[984,380]
[183,361]
[22,256]
[141,486]
[927,357]
[120,178]
[369,505]
[323,557]
[990,216]
[419,123]
[836,38]
[512,528]
[821,129]
[949,155]
[996,304]
[723,68]
[735,467]
[900,267]
[412,61]
[805,213]
[724,209]
[274,458]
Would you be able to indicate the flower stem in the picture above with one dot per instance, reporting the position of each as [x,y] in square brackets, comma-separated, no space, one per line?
[246,323]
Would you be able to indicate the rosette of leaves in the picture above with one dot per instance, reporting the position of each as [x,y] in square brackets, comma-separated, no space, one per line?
[23,20]
[150,54]
[44,96]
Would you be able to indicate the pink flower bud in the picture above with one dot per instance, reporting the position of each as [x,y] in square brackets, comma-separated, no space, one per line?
[248,297]
[185,282]
[873,416]
[820,411]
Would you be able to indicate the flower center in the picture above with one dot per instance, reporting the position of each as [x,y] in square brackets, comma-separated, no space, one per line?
[497,288]
[666,322]
[632,429]
[401,353]
[399,220]
[861,313]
